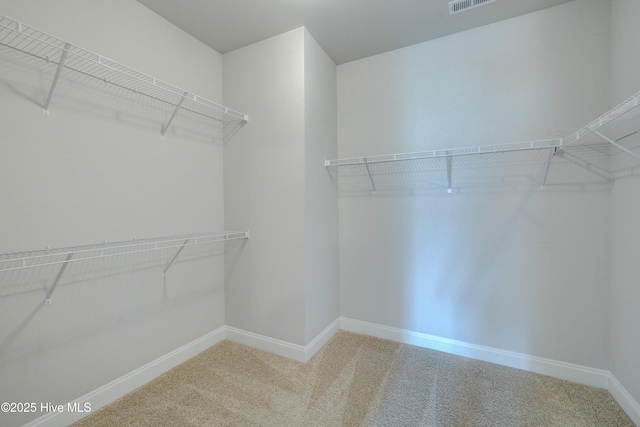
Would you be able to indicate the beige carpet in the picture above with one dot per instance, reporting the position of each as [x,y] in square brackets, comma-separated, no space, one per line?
[356,380]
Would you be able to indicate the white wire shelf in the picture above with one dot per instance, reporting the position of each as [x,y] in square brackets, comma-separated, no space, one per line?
[621,120]
[64,256]
[616,124]
[33,42]
[53,256]
[486,149]
[436,166]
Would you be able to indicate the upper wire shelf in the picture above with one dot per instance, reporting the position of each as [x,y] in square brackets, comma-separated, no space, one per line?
[618,123]
[31,41]
[423,168]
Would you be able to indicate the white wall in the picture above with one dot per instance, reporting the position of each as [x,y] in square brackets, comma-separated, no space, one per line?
[284,285]
[264,184]
[510,266]
[625,205]
[97,170]
[321,197]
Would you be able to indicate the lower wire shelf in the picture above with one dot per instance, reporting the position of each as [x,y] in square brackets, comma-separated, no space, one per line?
[66,255]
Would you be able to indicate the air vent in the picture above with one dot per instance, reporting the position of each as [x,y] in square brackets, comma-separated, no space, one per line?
[457,6]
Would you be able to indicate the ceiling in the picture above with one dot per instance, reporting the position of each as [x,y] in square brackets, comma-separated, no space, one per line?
[346,29]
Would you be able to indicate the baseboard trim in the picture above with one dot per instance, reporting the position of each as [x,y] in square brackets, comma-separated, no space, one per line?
[283,348]
[566,371]
[624,399]
[112,391]
[321,339]
[261,342]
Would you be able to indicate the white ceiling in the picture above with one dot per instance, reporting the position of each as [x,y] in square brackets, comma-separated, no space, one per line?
[346,29]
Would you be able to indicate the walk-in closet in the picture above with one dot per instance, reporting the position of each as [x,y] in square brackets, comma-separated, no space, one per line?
[261,210]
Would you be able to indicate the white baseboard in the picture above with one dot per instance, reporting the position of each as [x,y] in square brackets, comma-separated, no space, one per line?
[624,399]
[283,348]
[261,342]
[112,391]
[566,371]
[321,339]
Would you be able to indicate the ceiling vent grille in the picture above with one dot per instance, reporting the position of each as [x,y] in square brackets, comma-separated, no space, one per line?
[457,6]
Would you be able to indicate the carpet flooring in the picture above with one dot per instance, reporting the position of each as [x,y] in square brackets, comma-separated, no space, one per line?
[356,380]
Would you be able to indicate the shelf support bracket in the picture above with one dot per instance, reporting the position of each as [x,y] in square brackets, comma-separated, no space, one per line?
[449,167]
[47,299]
[585,165]
[615,144]
[166,127]
[168,266]
[63,59]
[366,165]
[552,151]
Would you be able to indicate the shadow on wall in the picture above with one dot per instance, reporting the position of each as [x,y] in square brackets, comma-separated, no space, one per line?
[125,287]
[233,251]
[496,262]
[460,262]
[107,316]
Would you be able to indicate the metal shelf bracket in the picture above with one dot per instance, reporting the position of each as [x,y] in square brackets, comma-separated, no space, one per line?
[552,151]
[47,299]
[366,165]
[63,58]
[166,268]
[166,127]
[449,167]
[615,144]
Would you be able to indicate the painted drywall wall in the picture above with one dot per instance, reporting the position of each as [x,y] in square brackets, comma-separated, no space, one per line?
[495,263]
[284,285]
[97,170]
[625,229]
[264,187]
[321,196]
